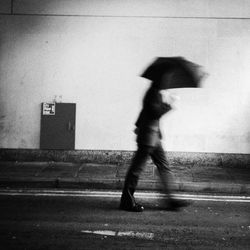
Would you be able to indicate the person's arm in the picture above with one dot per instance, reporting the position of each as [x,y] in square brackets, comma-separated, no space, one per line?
[155,106]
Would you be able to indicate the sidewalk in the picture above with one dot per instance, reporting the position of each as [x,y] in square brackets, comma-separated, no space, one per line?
[196,178]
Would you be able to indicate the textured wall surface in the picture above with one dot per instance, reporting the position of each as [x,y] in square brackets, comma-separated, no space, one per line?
[121,158]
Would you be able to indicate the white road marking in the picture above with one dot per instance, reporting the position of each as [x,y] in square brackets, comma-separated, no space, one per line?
[117,194]
[140,235]
[100,232]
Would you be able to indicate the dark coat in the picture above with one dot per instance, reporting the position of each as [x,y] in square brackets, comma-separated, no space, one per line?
[148,122]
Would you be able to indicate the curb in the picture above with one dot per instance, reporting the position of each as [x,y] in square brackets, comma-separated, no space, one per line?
[205,179]
[112,184]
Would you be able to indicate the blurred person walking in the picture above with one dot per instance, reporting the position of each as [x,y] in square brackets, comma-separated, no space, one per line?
[165,73]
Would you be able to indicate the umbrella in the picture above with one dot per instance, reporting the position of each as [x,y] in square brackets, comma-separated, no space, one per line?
[174,72]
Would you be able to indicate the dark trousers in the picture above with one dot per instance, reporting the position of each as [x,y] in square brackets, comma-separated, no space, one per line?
[138,163]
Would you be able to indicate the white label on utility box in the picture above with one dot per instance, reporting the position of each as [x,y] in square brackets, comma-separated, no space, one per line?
[49,108]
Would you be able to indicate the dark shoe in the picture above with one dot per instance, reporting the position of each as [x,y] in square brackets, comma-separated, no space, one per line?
[128,202]
[132,208]
[175,205]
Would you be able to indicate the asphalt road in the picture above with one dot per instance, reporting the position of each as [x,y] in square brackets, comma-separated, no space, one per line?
[86,222]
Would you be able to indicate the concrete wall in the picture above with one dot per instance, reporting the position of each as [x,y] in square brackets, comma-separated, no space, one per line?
[92,53]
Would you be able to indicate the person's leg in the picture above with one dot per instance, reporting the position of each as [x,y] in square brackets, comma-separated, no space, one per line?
[161,162]
[132,177]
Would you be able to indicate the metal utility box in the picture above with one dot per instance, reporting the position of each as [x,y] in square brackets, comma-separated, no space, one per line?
[58,126]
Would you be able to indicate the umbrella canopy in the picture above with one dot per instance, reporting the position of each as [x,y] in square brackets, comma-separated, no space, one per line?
[174,72]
